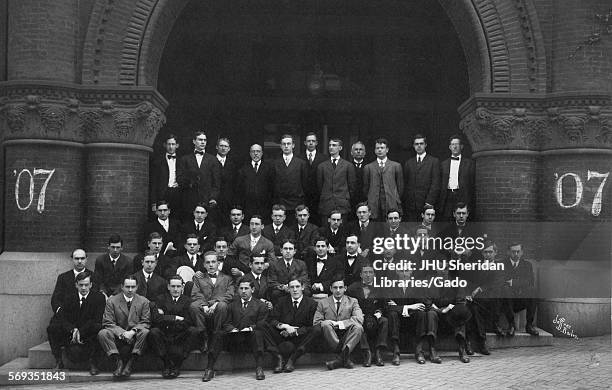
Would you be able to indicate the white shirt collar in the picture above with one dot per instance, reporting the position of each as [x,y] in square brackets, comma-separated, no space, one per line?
[299,300]
[84,297]
[275,227]
[255,275]
[127,299]
[76,272]
[422,156]
[384,161]
[146,274]
[314,153]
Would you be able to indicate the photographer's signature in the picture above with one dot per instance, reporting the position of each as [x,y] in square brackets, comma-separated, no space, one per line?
[564,327]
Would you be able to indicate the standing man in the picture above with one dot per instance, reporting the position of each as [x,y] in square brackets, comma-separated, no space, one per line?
[228,169]
[255,184]
[281,272]
[457,183]
[313,159]
[253,244]
[236,227]
[290,325]
[336,182]
[201,226]
[150,284]
[164,183]
[199,175]
[278,231]
[358,153]
[421,180]
[290,177]
[245,318]
[383,182]
[341,322]
[126,322]
[112,267]
[305,232]
[169,228]
[64,286]
[165,265]
[78,322]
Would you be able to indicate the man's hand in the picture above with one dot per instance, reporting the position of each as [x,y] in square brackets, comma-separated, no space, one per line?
[160,311]
[509,282]
[448,308]
[76,337]
[476,291]
[416,306]
[268,304]
[317,286]
[179,318]
[236,272]
[247,329]
[170,247]
[211,310]
[205,309]
[391,302]
[128,336]
[212,202]
[378,315]
[235,330]
[291,330]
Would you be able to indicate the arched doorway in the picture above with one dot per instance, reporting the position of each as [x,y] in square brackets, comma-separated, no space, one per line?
[359,70]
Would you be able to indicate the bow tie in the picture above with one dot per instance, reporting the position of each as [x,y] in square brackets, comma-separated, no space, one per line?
[170,156]
[351,256]
[455,158]
[212,275]
[198,152]
[321,259]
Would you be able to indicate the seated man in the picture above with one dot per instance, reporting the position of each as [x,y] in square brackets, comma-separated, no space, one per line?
[322,269]
[305,232]
[244,247]
[334,232]
[112,267]
[211,295]
[341,322]
[77,323]
[172,334]
[282,271]
[290,327]
[242,326]
[205,230]
[64,286]
[166,266]
[260,280]
[150,284]
[278,232]
[375,326]
[168,227]
[126,322]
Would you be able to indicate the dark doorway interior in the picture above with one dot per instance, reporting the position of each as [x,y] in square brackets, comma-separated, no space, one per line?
[352,69]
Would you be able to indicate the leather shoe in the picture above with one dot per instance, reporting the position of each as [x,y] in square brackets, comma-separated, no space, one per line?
[333,364]
[532,331]
[420,358]
[166,373]
[174,372]
[498,330]
[396,359]
[127,370]
[289,366]
[433,356]
[378,358]
[279,364]
[118,367]
[346,358]
[462,354]
[59,364]
[510,332]
[484,349]
[259,374]
[208,375]
[468,348]
[93,367]
[367,358]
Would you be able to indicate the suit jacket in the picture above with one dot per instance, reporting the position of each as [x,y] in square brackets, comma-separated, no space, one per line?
[523,283]
[332,268]
[198,184]
[155,287]
[466,182]
[185,260]
[206,235]
[87,318]
[204,292]
[109,278]
[352,273]
[337,186]
[172,235]
[238,318]
[359,195]
[373,303]
[167,321]
[285,233]
[119,319]
[64,287]
[241,251]
[230,236]
[278,274]
[166,266]
[366,236]
[350,313]
[304,239]
[421,184]
[159,176]
[284,313]
[311,190]
[393,181]
[261,288]
[338,240]
[255,189]
[290,182]
[227,175]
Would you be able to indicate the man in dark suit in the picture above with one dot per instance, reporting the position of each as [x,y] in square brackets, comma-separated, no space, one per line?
[236,227]
[341,322]
[457,183]
[281,272]
[199,175]
[211,295]
[201,227]
[351,260]
[395,226]
[252,244]
[313,158]
[375,325]
[461,227]
[358,153]
[290,327]
[242,326]
[126,322]
[322,269]
[334,232]
[150,284]
[224,261]
[169,228]
[421,180]
[518,289]
[278,232]
[383,182]
[163,175]
[228,170]
[305,232]
[260,280]
[428,217]
[290,177]
[336,182]
[364,227]
[112,267]
[191,259]
[64,286]
[256,184]
[172,333]
[78,322]
[166,266]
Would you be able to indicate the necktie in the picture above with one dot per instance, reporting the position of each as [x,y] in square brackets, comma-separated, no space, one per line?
[300,230]
[288,265]
[295,305]
[363,226]
[235,230]
[256,166]
[170,156]
[198,152]
[113,262]
[337,307]
[199,227]
[455,158]
[193,260]
[81,303]
[257,285]
[310,157]
[213,275]
[382,164]
[287,161]
[321,259]
[175,301]
[276,231]
[335,162]
[366,292]
[129,305]
[244,305]
[148,278]
[418,160]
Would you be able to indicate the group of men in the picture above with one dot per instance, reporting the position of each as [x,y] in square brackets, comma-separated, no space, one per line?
[278,288]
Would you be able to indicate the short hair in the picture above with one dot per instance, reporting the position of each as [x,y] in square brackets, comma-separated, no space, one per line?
[393,211]
[337,278]
[78,249]
[115,238]
[221,238]
[420,227]
[419,136]
[367,264]
[287,136]
[428,207]
[382,140]
[244,279]
[515,243]
[321,238]
[288,240]
[302,207]
[198,133]
[294,278]
[460,205]
[352,234]
[259,256]
[278,207]
[237,207]
[174,277]
[162,202]
[129,277]
[334,212]
[357,142]
[361,204]
[201,204]
[489,243]
[257,216]
[226,139]
[192,235]
[154,236]
[83,275]
[309,134]
[455,136]
[149,252]
[338,140]
[210,253]
[170,136]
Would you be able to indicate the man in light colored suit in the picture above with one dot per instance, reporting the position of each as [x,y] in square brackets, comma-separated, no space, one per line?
[126,322]
[421,180]
[383,182]
[244,247]
[341,322]
[336,181]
